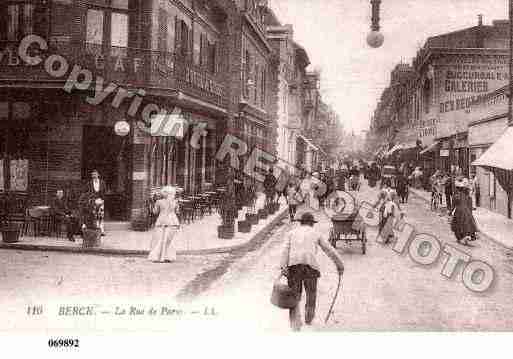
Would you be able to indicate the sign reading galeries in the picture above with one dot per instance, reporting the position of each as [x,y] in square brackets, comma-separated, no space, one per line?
[464,80]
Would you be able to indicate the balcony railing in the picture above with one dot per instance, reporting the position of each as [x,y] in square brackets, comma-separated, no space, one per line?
[130,67]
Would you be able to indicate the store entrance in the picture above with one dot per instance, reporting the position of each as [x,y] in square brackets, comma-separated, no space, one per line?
[108,153]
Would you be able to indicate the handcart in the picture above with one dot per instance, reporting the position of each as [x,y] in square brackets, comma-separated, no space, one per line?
[354,183]
[346,225]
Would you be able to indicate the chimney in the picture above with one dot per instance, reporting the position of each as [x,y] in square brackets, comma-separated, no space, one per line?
[480,20]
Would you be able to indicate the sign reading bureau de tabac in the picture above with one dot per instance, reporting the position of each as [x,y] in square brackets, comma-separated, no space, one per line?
[464,80]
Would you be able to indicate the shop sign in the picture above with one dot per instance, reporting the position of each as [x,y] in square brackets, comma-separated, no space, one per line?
[465,80]
[117,63]
[444,153]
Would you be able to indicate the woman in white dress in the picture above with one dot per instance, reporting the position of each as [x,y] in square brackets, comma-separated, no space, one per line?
[166,227]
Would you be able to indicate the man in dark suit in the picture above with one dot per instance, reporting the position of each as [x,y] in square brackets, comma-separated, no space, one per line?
[96,186]
[63,215]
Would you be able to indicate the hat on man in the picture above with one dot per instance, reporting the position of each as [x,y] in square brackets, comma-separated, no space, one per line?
[307,217]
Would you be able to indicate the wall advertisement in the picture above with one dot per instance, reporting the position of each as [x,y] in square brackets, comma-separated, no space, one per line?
[464,80]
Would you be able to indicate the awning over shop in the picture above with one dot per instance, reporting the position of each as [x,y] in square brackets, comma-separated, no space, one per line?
[499,155]
[309,143]
[432,147]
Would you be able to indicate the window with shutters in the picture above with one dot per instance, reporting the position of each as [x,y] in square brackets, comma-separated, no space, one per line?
[256,84]
[212,58]
[263,88]
[185,40]
[182,39]
[21,18]
[163,30]
[246,74]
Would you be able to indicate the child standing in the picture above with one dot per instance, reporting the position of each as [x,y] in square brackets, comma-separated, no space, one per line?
[391,213]
[294,199]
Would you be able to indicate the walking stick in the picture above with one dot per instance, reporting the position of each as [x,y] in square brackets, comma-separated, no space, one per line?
[334,298]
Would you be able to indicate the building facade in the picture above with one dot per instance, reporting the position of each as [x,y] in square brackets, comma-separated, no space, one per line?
[488,121]
[111,61]
[429,105]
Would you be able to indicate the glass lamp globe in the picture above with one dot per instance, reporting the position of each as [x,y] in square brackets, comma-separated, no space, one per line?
[375,39]
[122,128]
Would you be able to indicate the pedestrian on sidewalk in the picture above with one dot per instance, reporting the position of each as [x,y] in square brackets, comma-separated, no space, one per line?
[448,183]
[463,223]
[299,264]
[391,214]
[402,187]
[294,199]
[473,191]
[166,227]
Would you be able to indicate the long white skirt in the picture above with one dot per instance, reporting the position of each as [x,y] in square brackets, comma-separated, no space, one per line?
[162,248]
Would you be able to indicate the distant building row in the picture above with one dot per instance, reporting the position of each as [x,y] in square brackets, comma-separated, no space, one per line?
[432,109]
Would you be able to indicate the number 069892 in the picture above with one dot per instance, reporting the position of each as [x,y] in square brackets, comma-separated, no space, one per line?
[63,343]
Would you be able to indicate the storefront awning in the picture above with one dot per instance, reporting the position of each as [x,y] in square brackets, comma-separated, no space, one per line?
[432,147]
[499,155]
[309,143]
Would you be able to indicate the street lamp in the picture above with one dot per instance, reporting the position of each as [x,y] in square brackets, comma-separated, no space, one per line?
[375,38]
[510,99]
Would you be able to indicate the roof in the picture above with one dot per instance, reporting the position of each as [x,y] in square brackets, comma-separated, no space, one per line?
[301,52]
[499,155]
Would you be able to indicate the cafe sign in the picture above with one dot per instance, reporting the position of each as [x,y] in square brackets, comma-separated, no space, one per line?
[166,66]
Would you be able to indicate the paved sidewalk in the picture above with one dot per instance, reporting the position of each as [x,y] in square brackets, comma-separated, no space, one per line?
[495,226]
[199,237]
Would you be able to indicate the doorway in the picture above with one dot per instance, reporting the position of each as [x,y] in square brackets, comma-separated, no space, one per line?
[108,153]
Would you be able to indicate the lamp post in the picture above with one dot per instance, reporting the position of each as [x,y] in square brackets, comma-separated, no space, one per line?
[375,38]
[510,97]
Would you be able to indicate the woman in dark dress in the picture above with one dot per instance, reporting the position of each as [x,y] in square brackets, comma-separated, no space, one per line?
[463,223]
[402,187]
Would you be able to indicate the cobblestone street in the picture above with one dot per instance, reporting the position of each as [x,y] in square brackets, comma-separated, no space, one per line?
[381,290]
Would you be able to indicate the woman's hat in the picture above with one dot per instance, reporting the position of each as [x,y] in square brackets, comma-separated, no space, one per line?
[307,217]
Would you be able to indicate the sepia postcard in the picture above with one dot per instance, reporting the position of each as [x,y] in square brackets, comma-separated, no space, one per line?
[255,166]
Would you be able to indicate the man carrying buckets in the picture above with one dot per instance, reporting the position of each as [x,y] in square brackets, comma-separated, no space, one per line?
[299,264]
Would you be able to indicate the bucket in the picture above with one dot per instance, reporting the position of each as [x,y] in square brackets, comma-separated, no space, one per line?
[282,295]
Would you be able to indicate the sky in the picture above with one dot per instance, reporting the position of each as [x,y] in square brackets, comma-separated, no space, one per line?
[353,75]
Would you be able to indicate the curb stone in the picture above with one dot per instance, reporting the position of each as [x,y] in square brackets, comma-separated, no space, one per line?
[481,234]
[143,253]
